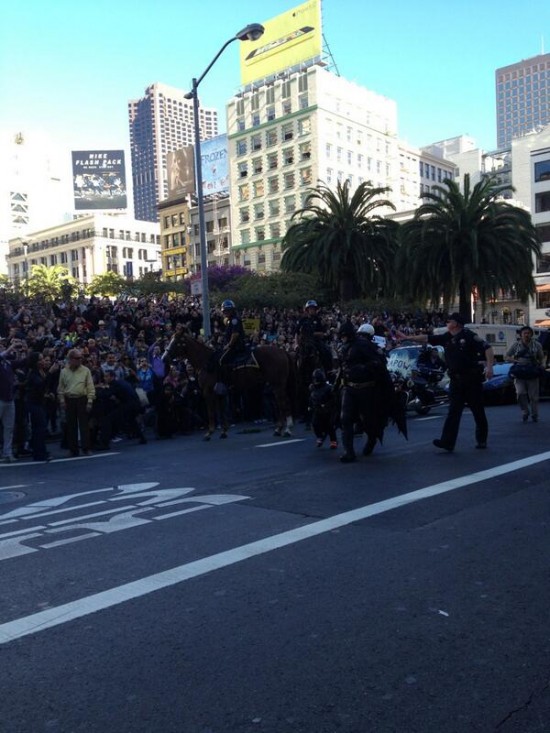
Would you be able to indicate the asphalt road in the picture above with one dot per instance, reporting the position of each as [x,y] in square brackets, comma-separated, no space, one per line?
[258,585]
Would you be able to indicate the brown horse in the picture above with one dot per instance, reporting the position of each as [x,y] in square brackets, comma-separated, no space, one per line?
[273,366]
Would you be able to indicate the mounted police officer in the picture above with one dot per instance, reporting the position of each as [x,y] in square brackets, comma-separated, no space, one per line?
[311,327]
[234,339]
[464,353]
[367,391]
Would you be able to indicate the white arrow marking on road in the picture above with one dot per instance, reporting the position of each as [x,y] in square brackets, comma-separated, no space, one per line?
[106,599]
[285,442]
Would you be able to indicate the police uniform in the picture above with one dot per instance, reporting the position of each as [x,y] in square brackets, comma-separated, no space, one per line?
[366,394]
[234,325]
[463,353]
[310,325]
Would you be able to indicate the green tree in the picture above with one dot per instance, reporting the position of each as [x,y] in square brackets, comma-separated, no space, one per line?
[461,241]
[338,237]
[276,289]
[50,283]
[108,283]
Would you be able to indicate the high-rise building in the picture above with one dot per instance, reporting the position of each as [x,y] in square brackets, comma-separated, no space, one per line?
[523,98]
[35,185]
[286,136]
[160,122]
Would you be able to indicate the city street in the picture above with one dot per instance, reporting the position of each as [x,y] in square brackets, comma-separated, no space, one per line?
[255,584]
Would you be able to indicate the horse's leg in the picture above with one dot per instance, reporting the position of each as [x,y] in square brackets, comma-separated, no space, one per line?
[284,417]
[223,412]
[210,400]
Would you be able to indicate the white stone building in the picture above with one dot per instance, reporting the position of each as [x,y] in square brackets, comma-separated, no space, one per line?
[289,135]
[531,179]
[88,246]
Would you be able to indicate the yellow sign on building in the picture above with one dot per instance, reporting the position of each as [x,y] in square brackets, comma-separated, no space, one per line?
[289,39]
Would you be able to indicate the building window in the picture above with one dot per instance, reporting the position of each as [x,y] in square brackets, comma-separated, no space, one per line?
[303,101]
[304,126]
[543,263]
[542,202]
[287,107]
[270,113]
[241,147]
[285,90]
[257,165]
[290,204]
[256,142]
[288,156]
[305,177]
[305,151]
[243,169]
[274,230]
[542,171]
[270,95]
[273,184]
[244,192]
[271,138]
[241,124]
[543,232]
[260,234]
[245,236]
[272,161]
[287,132]
[259,189]
[289,180]
[256,119]
[274,207]
[259,211]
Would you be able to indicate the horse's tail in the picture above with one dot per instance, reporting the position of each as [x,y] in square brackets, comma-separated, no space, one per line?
[292,384]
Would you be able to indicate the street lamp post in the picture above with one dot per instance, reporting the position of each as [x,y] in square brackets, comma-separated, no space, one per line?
[251,33]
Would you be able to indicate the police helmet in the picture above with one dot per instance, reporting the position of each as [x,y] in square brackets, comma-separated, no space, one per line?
[319,376]
[366,328]
[347,329]
[311,304]
[228,305]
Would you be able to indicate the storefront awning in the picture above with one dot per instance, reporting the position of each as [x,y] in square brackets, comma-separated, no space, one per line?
[543,288]
[545,323]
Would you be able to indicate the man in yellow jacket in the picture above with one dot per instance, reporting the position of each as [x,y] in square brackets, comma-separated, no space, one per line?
[76,393]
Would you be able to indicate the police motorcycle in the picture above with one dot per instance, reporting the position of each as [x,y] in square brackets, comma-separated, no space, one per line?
[418,377]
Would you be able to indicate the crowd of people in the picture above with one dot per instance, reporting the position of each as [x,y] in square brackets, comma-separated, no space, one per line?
[88,373]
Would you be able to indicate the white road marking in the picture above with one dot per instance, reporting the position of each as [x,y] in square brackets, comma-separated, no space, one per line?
[106,599]
[17,464]
[280,442]
[15,486]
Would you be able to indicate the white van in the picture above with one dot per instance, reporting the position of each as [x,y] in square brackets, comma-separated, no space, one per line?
[501,337]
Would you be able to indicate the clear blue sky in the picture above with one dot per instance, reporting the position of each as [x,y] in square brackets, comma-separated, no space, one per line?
[69,69]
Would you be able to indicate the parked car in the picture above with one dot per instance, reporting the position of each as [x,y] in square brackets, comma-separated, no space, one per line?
[500,390]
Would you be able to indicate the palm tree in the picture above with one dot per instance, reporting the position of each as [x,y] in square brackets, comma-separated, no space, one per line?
[50,283]
[338,238]
[458,242]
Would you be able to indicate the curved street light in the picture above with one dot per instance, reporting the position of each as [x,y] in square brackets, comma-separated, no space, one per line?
[251,32]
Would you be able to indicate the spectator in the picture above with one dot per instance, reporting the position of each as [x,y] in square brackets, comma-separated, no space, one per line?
[76,393]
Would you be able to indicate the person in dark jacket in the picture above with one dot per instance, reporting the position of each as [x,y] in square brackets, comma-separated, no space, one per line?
[35,398]
[323,408]
[465,355]
[9,366]
[124,413]
[367,391]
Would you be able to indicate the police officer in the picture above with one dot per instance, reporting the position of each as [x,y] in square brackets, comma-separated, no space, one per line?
[311,326]
[464,352]
[234,339]
[367,391]
[366,331]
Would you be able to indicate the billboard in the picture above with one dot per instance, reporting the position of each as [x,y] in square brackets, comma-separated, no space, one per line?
[180,166]
[289,39]
[215,165]
[99,179]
